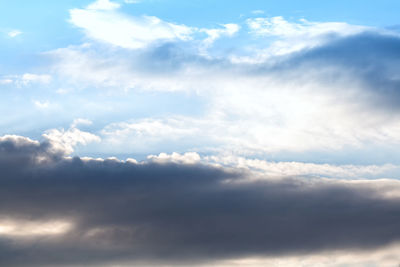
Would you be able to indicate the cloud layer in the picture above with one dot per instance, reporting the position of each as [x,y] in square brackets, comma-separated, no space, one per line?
[80,211]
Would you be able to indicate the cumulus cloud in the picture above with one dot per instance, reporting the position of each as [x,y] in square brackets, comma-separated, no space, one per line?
[63,141]
[106,212]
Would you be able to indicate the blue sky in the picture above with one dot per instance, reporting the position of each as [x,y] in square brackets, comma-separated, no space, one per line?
[267,119]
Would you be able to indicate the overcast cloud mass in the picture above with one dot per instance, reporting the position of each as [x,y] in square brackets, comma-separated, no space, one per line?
[174,133]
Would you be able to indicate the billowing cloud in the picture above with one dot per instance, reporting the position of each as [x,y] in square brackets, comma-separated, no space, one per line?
[63,141]
[85,211]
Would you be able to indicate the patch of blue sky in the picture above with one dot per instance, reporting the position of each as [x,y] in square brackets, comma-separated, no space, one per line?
[206,13]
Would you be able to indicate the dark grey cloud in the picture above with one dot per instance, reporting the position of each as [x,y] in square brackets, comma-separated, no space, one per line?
[177,213]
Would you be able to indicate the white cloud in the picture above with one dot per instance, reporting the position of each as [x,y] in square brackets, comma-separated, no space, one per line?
[81,121]
[62,91]
[17,228]
[26,79]
[29,78]
[41,104]
[114,72]
[278,26]
[250,115]
[103,5]
[280,112]
[64,141]
[127,31]
[14,33]
[269,169]
[257,12]
[295,36]
[283,169]
[269,112]
[213,34]
[148,134]
[6,81]
[385,256]
[186,158]
[228,30]
[102,22]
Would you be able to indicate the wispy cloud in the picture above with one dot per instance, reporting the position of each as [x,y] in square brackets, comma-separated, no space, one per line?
[103,5]
[26,79]
[258,12]
[14,33]
[126,31]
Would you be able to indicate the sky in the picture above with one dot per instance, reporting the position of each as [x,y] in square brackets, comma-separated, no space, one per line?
[210,133]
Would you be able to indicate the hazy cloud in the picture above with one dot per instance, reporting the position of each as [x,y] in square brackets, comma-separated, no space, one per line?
[14,33]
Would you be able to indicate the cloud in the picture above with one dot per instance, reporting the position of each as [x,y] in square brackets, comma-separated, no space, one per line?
[63,141]
[213,34]
[6,81]
[291,36]
[284,169]
[369,56]
[18,228]
[41,104]
[126,31]
[26,79]
[14,33]
[278,26]
[103,5]
[101,22]
[106,212]
[187,158]
[338,95]
[81,121]
[258,11]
